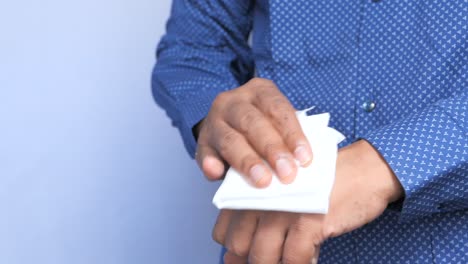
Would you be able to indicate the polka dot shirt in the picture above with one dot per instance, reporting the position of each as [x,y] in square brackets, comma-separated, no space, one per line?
[392,72]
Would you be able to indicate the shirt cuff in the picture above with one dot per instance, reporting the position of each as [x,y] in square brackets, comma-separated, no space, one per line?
[427,153]
[193,111]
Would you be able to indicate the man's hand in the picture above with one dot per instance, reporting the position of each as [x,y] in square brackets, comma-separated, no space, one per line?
[249,124]
[363,188]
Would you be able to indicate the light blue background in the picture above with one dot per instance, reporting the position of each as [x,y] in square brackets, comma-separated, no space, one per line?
[90,169]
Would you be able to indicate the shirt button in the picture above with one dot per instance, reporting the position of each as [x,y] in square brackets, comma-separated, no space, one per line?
[368,106]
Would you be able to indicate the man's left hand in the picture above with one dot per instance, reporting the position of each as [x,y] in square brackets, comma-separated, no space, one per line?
[364,186]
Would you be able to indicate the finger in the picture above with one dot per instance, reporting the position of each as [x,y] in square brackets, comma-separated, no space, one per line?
[303,240]
[264,138]
[268,241]
[283,115]
[241,231]
[236,151]
[210,162]
[221,226]
[231,258]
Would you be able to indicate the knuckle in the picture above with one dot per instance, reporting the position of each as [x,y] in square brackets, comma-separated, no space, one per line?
[221,100]
[217,236]
[300,227]
[304,227]
[227,141]
[297,253]
[279,100]
[292,135]
[279,107]
[271,148]
[249,120]
[237,248]
[256,258]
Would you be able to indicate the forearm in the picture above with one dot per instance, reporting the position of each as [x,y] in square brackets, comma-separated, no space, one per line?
[198,58]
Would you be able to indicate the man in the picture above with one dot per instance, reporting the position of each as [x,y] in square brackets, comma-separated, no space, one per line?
[392,73]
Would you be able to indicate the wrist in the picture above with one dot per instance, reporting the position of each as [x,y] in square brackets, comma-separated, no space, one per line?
[367,162]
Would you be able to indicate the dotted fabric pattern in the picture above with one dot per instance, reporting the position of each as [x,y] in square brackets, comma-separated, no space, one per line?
[392,72]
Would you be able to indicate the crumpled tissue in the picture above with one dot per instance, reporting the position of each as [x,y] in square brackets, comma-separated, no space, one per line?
[310,191]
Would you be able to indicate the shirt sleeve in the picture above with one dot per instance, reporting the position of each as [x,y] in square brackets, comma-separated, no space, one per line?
[204,52]
[428,152]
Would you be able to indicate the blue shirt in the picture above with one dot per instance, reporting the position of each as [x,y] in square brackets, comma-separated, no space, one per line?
[393,72]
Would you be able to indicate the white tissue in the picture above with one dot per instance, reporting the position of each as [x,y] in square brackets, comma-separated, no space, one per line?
[310,191]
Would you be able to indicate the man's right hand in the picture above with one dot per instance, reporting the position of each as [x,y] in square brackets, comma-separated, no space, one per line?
[246,125]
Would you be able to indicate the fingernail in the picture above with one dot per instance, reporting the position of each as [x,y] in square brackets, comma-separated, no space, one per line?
[257,172]
[284,168]
[303,155]
[313,261]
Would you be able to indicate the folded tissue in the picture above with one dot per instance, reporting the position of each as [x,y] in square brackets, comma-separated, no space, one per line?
[310,191]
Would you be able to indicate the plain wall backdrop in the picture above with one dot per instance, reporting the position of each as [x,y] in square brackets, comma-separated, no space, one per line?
[91,171]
